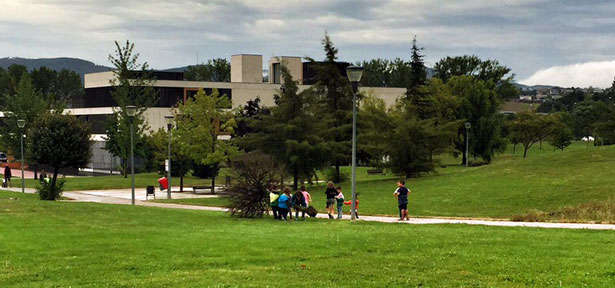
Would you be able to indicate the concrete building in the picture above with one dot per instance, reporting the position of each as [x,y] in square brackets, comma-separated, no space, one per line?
[246,84]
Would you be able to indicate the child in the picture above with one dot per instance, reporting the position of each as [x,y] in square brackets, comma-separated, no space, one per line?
[306,196]
[331,193]
[284,203]
[356,206]
[273,201]
[401,193]
[340,201]
[299,204]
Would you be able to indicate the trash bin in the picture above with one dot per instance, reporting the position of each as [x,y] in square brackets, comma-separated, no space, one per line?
[164,183]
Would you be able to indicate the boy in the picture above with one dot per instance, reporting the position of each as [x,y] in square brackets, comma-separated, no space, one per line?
[340,201]
[402,199]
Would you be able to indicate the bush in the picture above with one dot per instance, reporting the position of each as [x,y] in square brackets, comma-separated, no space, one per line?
[249,196]
[204,171]
[329,175]
[48,192]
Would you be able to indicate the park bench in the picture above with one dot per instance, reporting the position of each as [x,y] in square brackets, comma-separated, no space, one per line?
[149,191]
[374,171]
[198,189]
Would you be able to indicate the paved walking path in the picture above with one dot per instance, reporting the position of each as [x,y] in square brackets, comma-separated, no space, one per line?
[108,197]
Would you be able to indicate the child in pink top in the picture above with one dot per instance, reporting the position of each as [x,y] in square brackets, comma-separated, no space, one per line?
[306,196]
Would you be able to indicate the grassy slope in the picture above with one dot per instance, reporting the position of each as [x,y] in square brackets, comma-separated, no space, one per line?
[45,244]
[546,180]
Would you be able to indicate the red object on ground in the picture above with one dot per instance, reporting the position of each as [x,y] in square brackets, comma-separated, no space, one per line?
[164,182]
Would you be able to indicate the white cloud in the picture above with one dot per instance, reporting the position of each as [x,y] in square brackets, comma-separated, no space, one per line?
[596,74]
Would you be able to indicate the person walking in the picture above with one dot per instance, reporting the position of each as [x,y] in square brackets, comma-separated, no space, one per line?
[273,202]
[284,203]
[331,193]
[401,193]
[42,178]
[7,175]
[340,201]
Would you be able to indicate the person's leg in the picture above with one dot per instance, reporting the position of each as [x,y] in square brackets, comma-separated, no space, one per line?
[339,212]
[303,212]
[283,211]
[274,209]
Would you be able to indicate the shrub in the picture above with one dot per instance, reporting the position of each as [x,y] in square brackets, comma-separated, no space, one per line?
[47,191]
[249,197]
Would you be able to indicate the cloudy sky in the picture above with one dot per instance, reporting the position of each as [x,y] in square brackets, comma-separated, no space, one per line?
[566,43]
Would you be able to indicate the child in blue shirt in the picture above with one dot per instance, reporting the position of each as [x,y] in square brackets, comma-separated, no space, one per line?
[284,203]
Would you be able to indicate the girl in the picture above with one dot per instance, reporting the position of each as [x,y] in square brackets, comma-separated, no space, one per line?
[331,193]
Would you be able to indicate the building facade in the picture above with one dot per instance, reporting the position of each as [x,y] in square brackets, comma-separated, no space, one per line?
[246,84]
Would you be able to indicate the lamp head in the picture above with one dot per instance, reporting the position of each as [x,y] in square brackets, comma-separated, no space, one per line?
[131,110]
[21,123]
[354,73]
[468,125]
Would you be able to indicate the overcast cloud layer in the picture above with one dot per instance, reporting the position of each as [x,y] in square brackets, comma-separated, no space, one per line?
[527,36]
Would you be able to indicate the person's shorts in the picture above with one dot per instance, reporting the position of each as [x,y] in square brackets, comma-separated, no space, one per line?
[403,206]
[331,202]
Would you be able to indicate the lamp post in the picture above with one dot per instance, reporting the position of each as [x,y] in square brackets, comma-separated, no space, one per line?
[354,74]
[130,112]
[468,125]
[169,120]
[21,124]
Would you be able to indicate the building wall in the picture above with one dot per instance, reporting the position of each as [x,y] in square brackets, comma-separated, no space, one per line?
[247,68]
[294,65]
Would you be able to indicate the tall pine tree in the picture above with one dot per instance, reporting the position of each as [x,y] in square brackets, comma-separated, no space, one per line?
[290,133]
[336,112]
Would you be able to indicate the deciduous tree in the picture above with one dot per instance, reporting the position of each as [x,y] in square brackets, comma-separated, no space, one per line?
[200,121]
[132,85]
[59,141]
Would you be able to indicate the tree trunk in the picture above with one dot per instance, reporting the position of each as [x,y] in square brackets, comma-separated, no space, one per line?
[125,168]
[540,147]
[55,178]
[35,171]
[337,171]
[514,146]
[295,178]
[214,167]
[525,151]
[463,157]
[181,176]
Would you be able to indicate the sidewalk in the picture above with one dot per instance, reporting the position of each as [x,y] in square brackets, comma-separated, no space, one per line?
[106,196]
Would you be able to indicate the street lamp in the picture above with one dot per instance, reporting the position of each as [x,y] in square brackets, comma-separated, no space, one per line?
[169,120]
[354,74]
[130,112]
[468,126]
[21,124]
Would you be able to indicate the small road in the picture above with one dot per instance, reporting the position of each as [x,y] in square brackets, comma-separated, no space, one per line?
[119,197]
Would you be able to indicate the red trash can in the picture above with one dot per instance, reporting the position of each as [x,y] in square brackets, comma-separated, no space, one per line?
[164,183]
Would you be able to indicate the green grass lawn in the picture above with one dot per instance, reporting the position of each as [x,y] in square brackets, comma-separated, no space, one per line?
[60,244]
[546,180]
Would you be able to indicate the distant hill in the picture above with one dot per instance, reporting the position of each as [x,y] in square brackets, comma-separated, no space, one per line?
[78,65]
[534,87]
